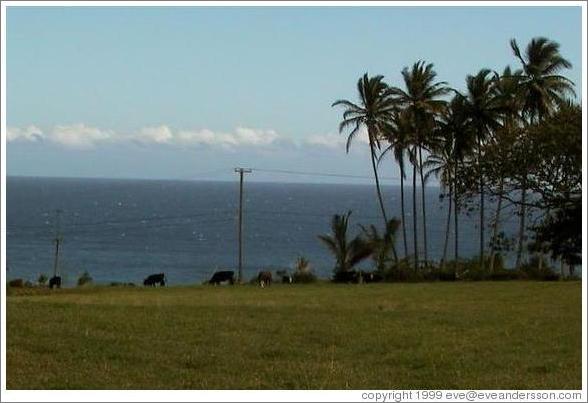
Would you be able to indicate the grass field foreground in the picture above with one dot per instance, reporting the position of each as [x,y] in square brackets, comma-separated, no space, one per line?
[501,335]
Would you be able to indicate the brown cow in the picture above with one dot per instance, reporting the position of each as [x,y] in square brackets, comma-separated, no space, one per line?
[264,278]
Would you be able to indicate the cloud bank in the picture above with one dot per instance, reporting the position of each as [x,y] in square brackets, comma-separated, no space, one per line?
[82,137]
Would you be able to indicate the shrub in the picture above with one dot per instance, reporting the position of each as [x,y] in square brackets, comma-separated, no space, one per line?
[85,278]
[504,274]
[16,283]
[402,271]
[304,278]
[531,271]
[302,271]
[42,280]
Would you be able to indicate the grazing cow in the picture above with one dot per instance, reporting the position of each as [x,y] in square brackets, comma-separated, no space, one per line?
[55,281]
[346,277]
[222,277]
[264,278]
[371,277]
[155,279]
[285,276]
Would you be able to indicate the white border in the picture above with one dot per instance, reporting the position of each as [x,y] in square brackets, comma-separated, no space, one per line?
[257,396]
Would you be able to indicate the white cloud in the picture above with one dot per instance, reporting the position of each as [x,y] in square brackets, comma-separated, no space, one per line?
[82,137]
[29,133]
[337,141]
[241,136]
[158,135]
[327,140]
[79,136]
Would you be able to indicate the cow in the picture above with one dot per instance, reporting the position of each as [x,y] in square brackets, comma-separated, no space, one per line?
[222,277]
[285,276]
[155,279]
[371,277]
[264,278]
[346,277]
[55,281]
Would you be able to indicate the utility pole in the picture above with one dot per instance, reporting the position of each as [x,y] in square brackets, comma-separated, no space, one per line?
[57,241]
[241,171]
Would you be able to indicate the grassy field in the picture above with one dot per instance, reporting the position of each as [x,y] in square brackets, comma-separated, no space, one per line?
[513,335]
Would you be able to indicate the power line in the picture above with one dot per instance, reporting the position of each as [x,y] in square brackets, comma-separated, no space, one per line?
[309,173]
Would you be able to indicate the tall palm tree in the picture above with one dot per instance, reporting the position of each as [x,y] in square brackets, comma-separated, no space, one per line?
[381,244]
[543,89]
[422,100]
[372,112]
[398,134]
[440,163]
[508,94]
[484,112]
[455,124]
[348,253]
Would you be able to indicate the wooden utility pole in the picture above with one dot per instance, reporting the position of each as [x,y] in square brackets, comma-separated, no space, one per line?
[57,241]
[241,171]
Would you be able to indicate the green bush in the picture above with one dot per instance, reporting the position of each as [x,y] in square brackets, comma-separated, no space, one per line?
[504,274]
[302,272]
[531,271]
[304,278]
[42,280]
[16,283]
[402,271]
[84,279]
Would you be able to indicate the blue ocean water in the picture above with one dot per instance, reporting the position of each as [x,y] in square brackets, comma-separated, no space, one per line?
[124,230]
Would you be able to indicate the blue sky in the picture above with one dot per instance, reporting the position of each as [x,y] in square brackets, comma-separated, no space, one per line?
[191,92]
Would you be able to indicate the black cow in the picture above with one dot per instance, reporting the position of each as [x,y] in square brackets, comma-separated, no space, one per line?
[55,281]
[155,279]
[223,276]
[371,277]
[264,278]
[346,277]
[285,276]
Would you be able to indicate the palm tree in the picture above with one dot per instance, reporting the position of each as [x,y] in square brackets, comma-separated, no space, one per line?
[422,101]
[440,163]
[381,244]
[398,136]
[454,123]
[372,112]
[507,92]
[347,253]
[543,89]
[484,113]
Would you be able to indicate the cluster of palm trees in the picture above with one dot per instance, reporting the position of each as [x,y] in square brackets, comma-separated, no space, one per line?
[443,132]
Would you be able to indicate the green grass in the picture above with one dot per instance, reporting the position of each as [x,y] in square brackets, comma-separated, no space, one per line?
[514,335]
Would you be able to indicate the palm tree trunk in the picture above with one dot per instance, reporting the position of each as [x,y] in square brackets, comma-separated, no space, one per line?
[456,213]
[481,183]
[380,200]
[523,210]
[414,219]
[403,213]
[447,227]
[523,213]
[378,190]
[423,206]
[496,224]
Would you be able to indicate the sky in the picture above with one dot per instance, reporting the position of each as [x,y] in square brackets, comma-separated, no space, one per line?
[192,92]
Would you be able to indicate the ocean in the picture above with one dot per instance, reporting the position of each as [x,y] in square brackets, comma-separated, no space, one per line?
[124,230]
